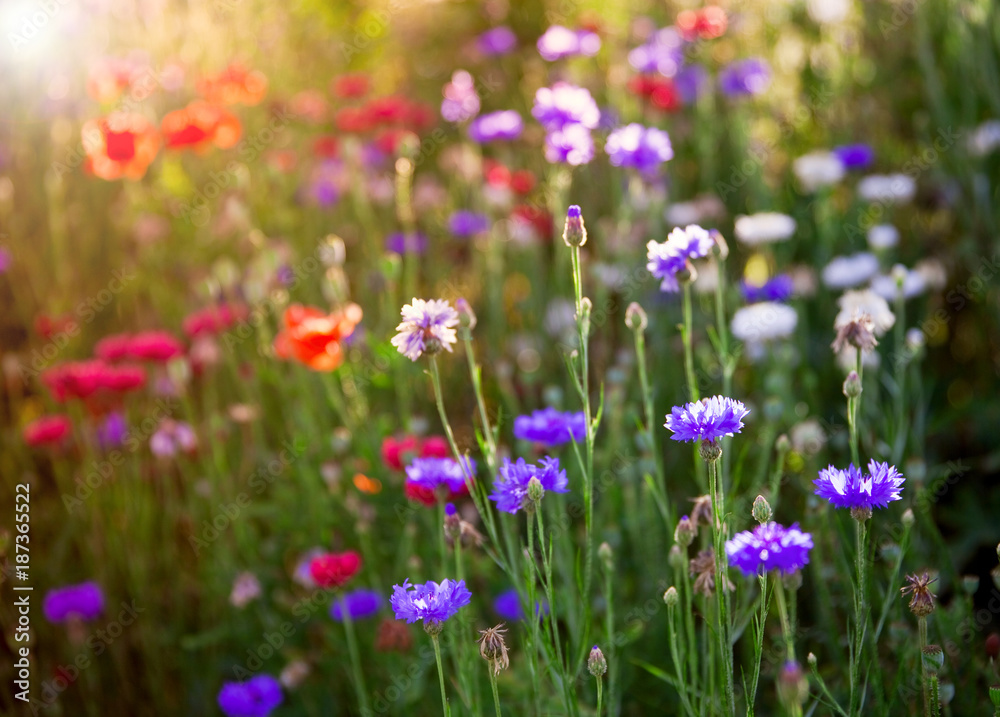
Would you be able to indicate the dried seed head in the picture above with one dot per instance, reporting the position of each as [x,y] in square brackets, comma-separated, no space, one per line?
[703,571]
[858,332]
[493,648]
[701,511]
[921,597]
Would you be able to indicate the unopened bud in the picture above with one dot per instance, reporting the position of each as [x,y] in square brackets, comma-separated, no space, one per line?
[761,510]
[811,659]
[783,444]
[685,532]
[574,232]
[676,558]
[721,248]
[596,664]
[452,522]
[932,657]
[586,307]
[793,687]
[710,451]
[908,518]
[852,385]
[995,696]
[635,317]
[670,597]
[535,491]
[466,316]
[606,556]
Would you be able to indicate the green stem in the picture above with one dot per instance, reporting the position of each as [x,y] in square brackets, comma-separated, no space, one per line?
[599,695]
[688,351]
[437,656]
[647,404]
[721,582]
[924,681]
[682,682]
[786,625]
[860,616]
[496,695]
[352,648]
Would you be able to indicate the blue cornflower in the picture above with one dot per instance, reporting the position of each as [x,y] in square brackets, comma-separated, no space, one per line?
[642,148]
[432,473]
[668,258]
[551,427]
[572,144]
[430,602]
[777,289]
[663,53]
[745,77]
[465,223]
[559,42]
[565,104]
[769,546]
[508,606]
[402,243]
[708,419]
[690,82]
[427,327]
[256,697]
[84,601]
[497,41]
[850,488]
[360,604]
[855,156]
[510,490]
[502,125]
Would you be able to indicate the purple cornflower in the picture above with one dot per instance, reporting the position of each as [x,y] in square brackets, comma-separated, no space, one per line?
[401,243]
[855,156]
[360,604]
[497,41]
[326,183]
[570,145]
[510,490]
[173,436]
[777,289]
[432,473]
[465,223]
[551,427]
[494,126]
[427,327]
[112,431]
[850,488]
[642,148]
[668,258]
[745,77]
[559,42]
[690,81]
[663,53]
[565,104]
[431,602]
[707,420]
[508,606]
[769,546]
[257,697]
[84,601]
[461,102]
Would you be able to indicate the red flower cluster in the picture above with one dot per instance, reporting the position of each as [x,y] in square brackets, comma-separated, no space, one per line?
[234,85]
[199,126]
[123,144]
[333,570]
[160,346]
[537,218]
[214,319]
[706,24]
[84,379]
[350,86]
[393,112]
[47,430]
[398,452]
[521,181]
[313,337]
[659,91]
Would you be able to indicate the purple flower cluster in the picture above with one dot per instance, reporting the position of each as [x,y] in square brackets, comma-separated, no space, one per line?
[668,258]
[855,156]
[769,546]
[401,243]
[551,427]
[465,224]
[568,113]
[461,101]
[431,473]
[360,604]
[256,697]
[496,126]
[663,52]
[497,41]
[430,602]
[84,601]
[426,326]
[777,289]
[638,147]
[850,488]
[745,77]
[707,420]
[112,432]
[510,490]
[559,42]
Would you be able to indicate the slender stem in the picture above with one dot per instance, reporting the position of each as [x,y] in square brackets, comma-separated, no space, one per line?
[352,648]
[477,385]
[721,583]
[786,625]
[826,692]
[682,682]
[599,681]
[647,404]
[860,616]
[547,585]
[688,352]
[759,646]
[496,695]
[437,656]
[924,682]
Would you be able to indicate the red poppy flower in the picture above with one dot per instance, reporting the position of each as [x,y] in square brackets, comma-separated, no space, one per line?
[234,85]
[123,144]
[313,337]
[397,452]
[354,85]
[333,570]
[47,430]
[200,125]
[706,23]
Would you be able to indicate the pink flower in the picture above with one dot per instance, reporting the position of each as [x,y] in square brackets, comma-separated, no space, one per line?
[47,430]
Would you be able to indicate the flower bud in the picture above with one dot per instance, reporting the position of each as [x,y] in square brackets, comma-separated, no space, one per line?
[466,316]
[811,659]
[710,451]
[932,657]
[294,673]
[721,248]
[586,307]
[635,317]
[995,574]
[574,232]
[676,558]
[852,385]
[761,510]
[793,687]
[596,664]
[908,518]
[670,597]
[606,555]
[685,532]
[970,584]
[535,490]
[792,581]
[783,444]
[452,522]
[995,696]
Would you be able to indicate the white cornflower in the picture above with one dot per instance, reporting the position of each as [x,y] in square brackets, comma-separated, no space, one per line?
[818,169]
[763,321]
[883,236]
[845,272]
[427,327]
[901,281]
[764,228]
[887,188]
